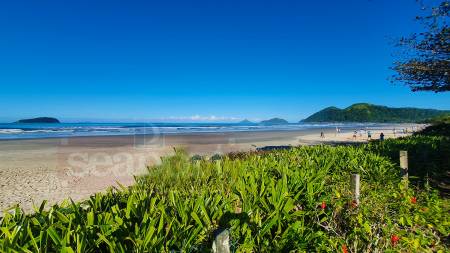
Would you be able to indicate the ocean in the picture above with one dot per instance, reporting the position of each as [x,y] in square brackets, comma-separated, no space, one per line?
[32,131]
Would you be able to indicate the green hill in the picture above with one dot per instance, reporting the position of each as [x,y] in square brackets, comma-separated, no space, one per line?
[274,121]
[364,112]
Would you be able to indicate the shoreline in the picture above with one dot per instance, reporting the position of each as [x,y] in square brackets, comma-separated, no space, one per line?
[55,169]
[150,135]
[312,126]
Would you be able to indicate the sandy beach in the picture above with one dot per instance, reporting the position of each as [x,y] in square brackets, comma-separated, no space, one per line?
[55,169]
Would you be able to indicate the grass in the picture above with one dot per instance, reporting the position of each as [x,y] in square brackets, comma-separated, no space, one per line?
[279,201]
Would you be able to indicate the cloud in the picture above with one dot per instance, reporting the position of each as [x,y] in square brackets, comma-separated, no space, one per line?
[197,117]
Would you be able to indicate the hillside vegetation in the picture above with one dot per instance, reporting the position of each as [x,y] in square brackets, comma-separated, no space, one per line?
[374,113]
[297,199]
[443,119]
[274,121]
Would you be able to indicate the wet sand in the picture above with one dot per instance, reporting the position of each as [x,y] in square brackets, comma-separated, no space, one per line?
[55,169]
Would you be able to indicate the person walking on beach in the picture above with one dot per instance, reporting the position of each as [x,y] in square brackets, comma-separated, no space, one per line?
[382,136]
[369,135]
[322,135]
[354,135]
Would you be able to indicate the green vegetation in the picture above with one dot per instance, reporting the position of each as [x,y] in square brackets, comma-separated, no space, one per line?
[296,199]
[443,119]
[274,121]
[429,159]
[440,126]
[438,130]
[374,113]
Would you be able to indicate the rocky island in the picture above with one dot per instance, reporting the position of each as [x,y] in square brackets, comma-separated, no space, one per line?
[39,120]
[274,121]
[246,122]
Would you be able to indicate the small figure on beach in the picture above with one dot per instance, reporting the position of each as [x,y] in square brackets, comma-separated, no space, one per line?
[369,135]
[381,136]
[354,135]
[322,135]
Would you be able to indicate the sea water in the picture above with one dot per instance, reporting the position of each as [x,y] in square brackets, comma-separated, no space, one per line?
[37,130]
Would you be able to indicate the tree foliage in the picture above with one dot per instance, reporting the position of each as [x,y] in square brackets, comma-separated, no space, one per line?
[424,62]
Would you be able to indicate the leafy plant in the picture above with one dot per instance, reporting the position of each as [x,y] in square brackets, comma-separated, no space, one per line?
[297,199]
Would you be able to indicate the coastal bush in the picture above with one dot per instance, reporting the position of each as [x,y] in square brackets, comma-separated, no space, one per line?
[437,129]
[429,158]
[297,199]
[443,119]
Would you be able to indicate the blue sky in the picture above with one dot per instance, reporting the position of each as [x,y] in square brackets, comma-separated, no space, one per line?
[183,60]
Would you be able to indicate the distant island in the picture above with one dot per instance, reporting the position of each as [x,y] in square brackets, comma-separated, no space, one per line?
[364,112]
[274,121]
[246,121]
[39,120]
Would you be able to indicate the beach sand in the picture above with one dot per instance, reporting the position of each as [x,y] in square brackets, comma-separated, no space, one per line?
[56,169]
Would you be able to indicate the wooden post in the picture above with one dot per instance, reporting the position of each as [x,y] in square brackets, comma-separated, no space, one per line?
[219,167]
[355,184]
[221,243]
[404,163]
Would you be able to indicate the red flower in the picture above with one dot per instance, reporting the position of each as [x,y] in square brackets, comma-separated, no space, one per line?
[324,205]
[394,239]
[344,248]
[413,200]
[354,204]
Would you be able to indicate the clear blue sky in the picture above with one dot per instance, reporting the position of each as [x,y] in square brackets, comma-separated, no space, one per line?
[139,60]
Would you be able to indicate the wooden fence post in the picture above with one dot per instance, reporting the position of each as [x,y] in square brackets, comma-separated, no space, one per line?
[355,184]
[404,163]
[221,243]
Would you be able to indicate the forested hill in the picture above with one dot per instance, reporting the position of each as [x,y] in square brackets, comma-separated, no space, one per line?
[373,113]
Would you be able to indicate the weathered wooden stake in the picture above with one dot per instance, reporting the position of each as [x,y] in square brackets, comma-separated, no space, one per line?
[355,187]
[404,163]
[221,242]
[219,167]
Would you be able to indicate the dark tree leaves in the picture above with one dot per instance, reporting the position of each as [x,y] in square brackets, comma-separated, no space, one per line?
[424,64]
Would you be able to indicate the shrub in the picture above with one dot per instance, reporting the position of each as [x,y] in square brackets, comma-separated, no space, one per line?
[297,199]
